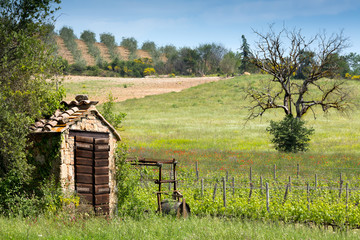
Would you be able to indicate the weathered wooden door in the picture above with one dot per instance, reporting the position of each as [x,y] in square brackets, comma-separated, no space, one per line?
[92,172]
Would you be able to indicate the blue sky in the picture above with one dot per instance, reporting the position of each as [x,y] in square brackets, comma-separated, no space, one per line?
[194,22]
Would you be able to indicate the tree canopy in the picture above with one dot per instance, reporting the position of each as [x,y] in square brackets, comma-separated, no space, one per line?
[27,65]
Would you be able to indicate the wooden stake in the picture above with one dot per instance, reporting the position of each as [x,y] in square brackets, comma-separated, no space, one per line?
[289,183]
[214,194]
[286,192]
[251,189]
[224,191]
[308,195]
[347,195]
[197,172]
[233,185]
[274,171]
[202,187]
[250,174]
[267,197]
[298,171]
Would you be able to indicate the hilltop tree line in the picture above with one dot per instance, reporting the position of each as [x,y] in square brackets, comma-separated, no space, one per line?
[205,59]
[209,58]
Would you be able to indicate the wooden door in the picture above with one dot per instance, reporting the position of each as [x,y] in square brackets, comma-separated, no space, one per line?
[92,172]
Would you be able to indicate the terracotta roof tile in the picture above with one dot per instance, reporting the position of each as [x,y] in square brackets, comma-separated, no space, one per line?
[61,120]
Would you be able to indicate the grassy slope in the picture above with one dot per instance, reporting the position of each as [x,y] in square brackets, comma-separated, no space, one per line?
[212,116]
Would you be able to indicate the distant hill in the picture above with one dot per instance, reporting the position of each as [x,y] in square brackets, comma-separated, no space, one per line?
[122,52]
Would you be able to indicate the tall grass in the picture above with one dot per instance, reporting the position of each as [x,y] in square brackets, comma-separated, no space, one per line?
[160,228]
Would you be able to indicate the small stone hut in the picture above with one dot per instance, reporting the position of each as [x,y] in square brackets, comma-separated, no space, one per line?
[80,146]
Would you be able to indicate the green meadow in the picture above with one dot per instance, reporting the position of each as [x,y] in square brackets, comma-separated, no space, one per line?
[213,117]
[208,124]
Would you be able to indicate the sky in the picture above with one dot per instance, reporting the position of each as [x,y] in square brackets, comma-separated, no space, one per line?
[189,23]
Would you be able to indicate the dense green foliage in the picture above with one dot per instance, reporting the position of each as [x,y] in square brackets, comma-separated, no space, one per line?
[27,64]
[135,68]
[290,134]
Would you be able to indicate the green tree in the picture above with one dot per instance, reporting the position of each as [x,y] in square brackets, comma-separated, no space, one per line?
[229,63]
[290,134]
[27,62]
[88,36]
[172,55]
[246,57]
[353,60]
[131,45]
[151,48]
[109,40]
[210,56]
[187,62]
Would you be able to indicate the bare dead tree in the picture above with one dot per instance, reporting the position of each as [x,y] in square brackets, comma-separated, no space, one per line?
[281,55]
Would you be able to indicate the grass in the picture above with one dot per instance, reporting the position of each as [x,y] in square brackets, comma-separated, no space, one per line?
[212,117]
[207,123]
[154,227]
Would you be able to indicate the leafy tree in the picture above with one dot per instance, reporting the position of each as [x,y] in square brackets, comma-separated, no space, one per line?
[88,36]
[27,63]
[172,55]
[290,134]
[210,56]
[131,45]
[187,62]
[229,63]
[353,60]
[109,40]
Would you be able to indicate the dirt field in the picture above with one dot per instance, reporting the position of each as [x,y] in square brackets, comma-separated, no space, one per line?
[98,88]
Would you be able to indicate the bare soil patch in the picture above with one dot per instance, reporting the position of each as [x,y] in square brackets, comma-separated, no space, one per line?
[122,89]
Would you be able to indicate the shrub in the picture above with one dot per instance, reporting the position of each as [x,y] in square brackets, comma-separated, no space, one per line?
[149,71]
[108,112]
[290,134]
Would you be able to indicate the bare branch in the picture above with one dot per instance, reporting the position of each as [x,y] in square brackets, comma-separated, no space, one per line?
[284,55]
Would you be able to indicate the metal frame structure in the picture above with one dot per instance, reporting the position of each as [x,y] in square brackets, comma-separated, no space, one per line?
[159,163]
